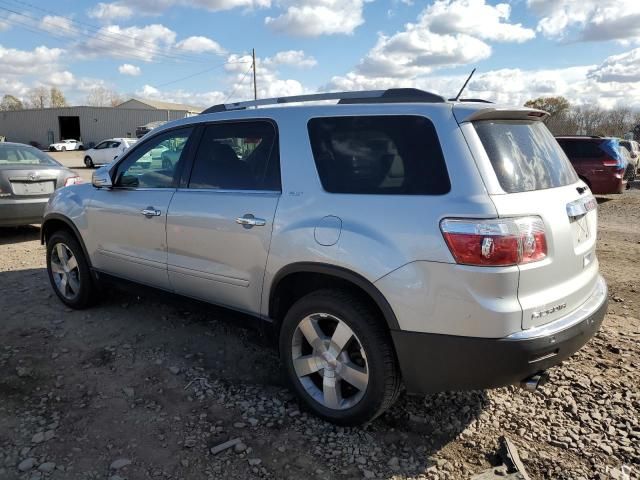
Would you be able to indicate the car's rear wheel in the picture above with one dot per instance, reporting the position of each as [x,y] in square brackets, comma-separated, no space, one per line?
[69,271]
[52,149]
[338,355]
[88,162]
[64,149]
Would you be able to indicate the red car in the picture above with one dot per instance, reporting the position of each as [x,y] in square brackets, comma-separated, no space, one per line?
[601,162]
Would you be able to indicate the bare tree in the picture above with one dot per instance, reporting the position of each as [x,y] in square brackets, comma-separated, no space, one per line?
[10,103]
[38,97]
[57,98]
[103,97]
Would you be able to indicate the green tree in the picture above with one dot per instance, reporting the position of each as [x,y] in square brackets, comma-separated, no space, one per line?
[56,98]
[10,103]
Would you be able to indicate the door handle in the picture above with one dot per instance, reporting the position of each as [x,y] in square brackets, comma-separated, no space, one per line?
[250,221]
[150,212]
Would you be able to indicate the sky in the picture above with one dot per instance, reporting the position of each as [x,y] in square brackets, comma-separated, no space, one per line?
[199,51]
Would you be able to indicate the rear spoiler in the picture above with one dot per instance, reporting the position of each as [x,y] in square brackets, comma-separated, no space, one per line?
[471,113]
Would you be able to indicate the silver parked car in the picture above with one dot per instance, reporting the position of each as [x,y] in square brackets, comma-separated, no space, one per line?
[395,238]
[28,177]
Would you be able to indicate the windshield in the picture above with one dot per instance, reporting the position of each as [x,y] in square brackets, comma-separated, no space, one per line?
[24,155]
[524,155]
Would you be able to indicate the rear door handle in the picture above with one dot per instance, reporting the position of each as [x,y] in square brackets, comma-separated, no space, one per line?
[249,220]
[150,212]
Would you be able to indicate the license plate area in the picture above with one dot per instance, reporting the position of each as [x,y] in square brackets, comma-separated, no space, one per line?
[33,188]
[581,230]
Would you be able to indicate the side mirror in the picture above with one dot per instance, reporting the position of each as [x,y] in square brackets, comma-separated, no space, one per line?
[101,178]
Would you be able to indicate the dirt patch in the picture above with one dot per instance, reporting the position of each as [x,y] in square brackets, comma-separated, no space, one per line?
[143,386]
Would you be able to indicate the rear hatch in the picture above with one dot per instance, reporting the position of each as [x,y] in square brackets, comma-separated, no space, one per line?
[527,174]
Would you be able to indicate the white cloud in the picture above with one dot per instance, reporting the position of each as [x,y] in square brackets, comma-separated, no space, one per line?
[58,25]
[475,18]
[417,51]
[588,20]
[128,69]
[61,79]
[4,25]
[110,11]
[447,33]
[143,43]
[126,9]
[199,44]
[293,58]
[312,18]
[622,68]
[24,62]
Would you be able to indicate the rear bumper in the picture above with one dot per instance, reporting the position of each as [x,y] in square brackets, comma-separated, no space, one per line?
[21,212]
[434,363]
[607,184]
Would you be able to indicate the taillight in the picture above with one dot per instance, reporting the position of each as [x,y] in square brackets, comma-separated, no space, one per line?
[73,181]
[611,162]
[496,242]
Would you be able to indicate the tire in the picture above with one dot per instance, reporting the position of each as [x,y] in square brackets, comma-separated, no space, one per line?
[368,352]
[88,162]
[63,149]
[52,149]
[79,288]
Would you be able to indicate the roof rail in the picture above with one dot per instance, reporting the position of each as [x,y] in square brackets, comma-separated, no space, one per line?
[392,95]
[474,100]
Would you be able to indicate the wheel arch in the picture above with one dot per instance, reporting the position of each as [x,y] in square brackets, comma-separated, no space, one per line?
[297,279]
[54,222]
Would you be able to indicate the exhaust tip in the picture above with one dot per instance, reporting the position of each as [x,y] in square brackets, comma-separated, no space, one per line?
[532,383]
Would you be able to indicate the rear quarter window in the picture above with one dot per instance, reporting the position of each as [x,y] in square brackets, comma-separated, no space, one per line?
[379,155]
[524,155]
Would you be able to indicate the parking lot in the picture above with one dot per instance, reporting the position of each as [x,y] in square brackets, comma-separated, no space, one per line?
[144,385]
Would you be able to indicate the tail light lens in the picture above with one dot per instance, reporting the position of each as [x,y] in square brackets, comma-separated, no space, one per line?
[611,162]
[73,181]
[496,242]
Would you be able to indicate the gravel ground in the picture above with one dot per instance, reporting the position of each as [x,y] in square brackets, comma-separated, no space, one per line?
[145,386]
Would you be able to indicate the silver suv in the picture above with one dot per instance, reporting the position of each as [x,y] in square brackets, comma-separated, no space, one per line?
[393,239]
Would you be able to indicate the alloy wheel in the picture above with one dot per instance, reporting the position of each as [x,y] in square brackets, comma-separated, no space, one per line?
[329,361]
[64,267]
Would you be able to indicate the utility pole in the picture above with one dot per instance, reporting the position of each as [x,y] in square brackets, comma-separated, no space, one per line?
[255,87]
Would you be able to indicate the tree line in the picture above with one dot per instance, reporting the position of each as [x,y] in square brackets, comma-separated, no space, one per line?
[43,97]
[567,119]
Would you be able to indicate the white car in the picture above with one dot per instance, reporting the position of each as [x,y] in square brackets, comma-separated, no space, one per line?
[106,151]
[64,145]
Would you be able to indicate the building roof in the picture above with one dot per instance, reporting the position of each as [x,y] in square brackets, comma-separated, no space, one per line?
[157,104]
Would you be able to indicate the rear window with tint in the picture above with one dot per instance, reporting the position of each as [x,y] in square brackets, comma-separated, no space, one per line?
[578,149]
[524,155]
[388,155]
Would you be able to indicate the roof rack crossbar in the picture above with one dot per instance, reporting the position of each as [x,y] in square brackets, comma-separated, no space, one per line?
[392,95]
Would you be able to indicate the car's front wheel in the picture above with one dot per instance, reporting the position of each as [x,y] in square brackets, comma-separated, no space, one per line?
[64,149]
[88,162]
[338,355]
[69,271]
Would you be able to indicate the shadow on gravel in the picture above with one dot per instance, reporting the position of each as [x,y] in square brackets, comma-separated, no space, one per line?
[27,233]
[135,336]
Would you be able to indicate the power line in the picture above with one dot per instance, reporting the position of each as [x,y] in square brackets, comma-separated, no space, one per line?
[143,54]
[238,85]
[97,29]
[195,74]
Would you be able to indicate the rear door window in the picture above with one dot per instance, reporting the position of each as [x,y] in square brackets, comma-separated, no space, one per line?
[525,156]
[381,155]
[237,156]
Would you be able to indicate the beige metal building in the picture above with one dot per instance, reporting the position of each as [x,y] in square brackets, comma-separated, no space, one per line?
[88,124]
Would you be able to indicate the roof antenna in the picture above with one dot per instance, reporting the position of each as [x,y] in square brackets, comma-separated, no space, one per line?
[465,85]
